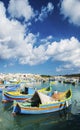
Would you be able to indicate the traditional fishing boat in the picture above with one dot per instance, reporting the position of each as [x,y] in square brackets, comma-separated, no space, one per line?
[8,96]
[9,87]
[40,103]
[46,90]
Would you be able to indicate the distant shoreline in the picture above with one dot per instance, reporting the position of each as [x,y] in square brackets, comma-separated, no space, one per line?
[66,75]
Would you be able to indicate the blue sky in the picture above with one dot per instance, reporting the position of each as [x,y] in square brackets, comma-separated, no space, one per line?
[40,37]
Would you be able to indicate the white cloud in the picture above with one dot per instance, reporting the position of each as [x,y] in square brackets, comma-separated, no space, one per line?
[46,40]
[45,11]
[50,7]
[11,35]
[34,56]
[67,50]
[12,29]
[2,10]
[65,67]
[71,10]
[68,68]
[31,38]
[6,39]
[14,44]
[20,8]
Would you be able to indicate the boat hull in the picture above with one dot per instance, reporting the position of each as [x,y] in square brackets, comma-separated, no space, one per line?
[17,95]
[54,106]
[42,110]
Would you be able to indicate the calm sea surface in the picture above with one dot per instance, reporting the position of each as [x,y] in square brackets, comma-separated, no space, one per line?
[64,120]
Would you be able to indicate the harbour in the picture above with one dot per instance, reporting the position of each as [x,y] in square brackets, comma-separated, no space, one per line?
[58,120]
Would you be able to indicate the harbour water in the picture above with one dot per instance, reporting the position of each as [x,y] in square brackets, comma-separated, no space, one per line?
[64,120]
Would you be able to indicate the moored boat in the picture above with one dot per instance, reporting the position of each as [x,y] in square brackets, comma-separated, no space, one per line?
[9,87]
[8,96]
[40,103]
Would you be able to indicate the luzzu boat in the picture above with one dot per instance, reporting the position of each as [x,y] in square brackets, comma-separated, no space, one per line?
[40,103]
[9,87]
[8,96]
[46,90]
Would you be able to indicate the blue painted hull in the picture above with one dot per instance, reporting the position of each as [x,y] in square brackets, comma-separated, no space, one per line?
[42,110]
[10,88]
[53,106]
[6,97]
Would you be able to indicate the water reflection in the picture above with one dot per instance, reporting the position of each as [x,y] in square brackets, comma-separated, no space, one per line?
[75,100]
[67,119]
[37,122]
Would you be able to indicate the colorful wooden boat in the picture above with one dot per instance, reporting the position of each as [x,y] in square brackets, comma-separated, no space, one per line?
[40,103]
[8,96]
[9,87]
[46,90]
[11,82]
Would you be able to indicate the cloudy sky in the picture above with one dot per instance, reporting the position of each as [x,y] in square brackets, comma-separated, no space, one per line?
[40,36]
